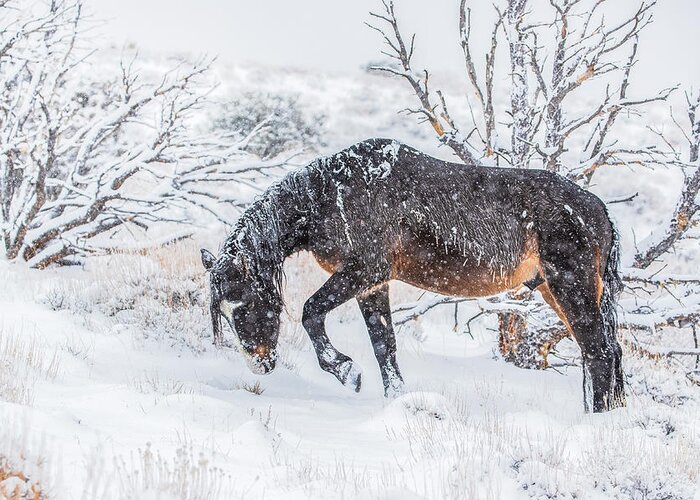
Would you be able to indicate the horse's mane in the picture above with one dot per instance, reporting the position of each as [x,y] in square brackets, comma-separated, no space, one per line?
[256,241]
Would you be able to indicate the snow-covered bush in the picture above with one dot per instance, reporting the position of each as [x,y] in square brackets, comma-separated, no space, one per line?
[89,148]
[159,294]
[72,144]
[283,124]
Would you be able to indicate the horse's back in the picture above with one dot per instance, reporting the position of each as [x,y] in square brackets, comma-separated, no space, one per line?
[452,228]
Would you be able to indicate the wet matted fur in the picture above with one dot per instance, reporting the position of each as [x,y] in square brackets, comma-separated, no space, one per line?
[381,210]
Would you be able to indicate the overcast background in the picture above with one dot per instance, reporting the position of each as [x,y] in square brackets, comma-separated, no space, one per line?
[330,34]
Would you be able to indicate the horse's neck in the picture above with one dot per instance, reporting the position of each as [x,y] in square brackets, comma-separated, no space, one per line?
[277,225]
[293,232]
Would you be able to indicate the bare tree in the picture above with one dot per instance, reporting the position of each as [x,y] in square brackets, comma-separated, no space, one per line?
[80,155]
[520,105]
[540,119]
[543,118]
[660,299]
[436,115]
[660,242]
[584,51]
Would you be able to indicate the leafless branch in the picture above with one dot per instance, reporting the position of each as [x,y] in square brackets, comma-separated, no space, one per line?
[393,38]
[686,207]
[68,160]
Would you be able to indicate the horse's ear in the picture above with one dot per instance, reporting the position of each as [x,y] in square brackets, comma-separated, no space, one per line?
[208,259]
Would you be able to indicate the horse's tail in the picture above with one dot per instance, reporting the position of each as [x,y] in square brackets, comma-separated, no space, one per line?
[612,287]
[612,283]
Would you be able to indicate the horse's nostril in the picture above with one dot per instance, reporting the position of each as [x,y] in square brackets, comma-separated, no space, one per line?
[261,350]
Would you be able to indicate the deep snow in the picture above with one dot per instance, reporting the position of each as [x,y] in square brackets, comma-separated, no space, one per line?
[470,426]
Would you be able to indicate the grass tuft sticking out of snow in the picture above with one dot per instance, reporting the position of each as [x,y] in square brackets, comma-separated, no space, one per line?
[185,476]
[152,382]
[162,294]
[627,463]
[25,470]
[252,387]
[451,448]
[22,362]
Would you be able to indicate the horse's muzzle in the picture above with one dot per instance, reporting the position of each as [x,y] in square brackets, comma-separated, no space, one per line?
[261,362]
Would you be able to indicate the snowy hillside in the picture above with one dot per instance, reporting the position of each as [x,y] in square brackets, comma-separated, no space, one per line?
[110,387]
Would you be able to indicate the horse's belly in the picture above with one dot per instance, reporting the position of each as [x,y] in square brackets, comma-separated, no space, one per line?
[461,276]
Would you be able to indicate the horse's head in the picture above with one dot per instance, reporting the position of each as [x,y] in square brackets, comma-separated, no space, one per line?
[251,307]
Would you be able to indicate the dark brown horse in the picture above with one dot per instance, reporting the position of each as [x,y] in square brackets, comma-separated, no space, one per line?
[381,210]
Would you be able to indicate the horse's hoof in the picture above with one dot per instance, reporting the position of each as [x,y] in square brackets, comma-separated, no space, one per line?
[350,375]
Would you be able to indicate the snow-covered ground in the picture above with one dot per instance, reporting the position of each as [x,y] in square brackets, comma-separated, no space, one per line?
[110,388]
[119,400]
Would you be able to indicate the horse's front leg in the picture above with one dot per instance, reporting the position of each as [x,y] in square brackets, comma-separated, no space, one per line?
[376,310]
[340,287]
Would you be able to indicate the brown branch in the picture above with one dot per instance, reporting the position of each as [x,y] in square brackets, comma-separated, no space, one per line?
[91,213]
[445,132]
[686,206]
[39,185]
[485,97]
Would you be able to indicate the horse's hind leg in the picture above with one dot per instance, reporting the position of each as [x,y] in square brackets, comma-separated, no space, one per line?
[338,289]
[574,291]
[376,310]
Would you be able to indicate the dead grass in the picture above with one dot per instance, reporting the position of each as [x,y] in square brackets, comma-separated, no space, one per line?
[23,361]
[161,293]
[154,383]
[15,485]
[185,476]
[253,388]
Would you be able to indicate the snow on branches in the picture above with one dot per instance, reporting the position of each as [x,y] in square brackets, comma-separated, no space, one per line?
[554,50]
[436,115]
[540,119]
[85,149]
[660,242]
[659,299]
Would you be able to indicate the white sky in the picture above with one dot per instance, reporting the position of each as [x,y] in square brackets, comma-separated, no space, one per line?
[330,34]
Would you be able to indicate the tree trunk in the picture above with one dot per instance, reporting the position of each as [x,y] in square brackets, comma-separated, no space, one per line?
[519,99]
[526,340]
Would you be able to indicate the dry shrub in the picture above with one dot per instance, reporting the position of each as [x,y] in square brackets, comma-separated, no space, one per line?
[252,387]
[26,463]
[183,477]
[23,361]
[15,485]
[162,293]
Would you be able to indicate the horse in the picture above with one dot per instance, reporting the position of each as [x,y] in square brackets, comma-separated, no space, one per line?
[380,211]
